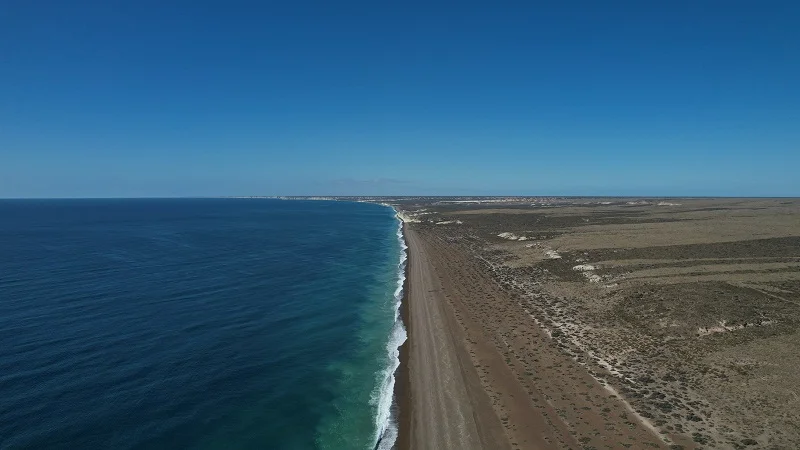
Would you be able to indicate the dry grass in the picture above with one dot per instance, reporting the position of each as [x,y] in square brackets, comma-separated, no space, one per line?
[691,311]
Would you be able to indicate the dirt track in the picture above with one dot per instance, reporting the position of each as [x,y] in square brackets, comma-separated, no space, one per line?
[443,413]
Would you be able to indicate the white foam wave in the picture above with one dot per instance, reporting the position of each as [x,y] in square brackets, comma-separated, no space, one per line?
[383,396]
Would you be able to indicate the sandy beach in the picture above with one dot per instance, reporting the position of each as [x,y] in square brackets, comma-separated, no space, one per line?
[482,376]
[448,406]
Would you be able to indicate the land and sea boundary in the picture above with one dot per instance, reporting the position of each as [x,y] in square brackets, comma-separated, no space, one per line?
[600,323]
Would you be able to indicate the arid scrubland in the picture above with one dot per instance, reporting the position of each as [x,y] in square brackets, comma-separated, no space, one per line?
[685,309]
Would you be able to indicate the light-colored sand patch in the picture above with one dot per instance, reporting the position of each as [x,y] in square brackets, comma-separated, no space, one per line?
[588,272]
[592,277]
[512,237]
[646,423]
[552,254]
[408,217]
[723,327]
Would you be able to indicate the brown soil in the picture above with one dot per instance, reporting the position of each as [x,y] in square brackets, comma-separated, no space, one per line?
[688,308]
[483,375]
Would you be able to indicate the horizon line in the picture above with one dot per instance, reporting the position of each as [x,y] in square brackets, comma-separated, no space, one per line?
[322,196]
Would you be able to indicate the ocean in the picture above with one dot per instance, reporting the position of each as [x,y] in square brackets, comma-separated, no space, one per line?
[199,324]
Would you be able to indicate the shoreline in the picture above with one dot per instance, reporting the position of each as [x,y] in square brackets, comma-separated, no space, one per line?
[402,383]
[389,395]
[399,409]
[389,425]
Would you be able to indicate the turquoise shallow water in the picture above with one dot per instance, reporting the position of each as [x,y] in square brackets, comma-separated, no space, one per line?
[197,323]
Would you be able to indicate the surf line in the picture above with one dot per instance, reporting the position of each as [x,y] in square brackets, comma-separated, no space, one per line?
[385,399]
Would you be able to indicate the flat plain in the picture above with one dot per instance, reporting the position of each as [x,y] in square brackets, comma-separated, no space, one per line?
[625,322]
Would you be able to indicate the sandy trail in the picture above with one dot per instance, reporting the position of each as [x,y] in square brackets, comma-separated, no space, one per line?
[446,397]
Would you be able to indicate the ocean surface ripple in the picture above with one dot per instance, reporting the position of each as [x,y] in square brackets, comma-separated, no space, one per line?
[198,323]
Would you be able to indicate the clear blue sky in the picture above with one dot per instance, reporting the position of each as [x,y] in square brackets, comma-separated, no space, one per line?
[160,98]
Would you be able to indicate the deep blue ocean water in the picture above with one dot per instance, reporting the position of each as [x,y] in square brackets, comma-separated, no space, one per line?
[197,323]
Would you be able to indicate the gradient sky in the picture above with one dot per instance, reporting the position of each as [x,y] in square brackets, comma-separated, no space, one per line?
[160,98]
